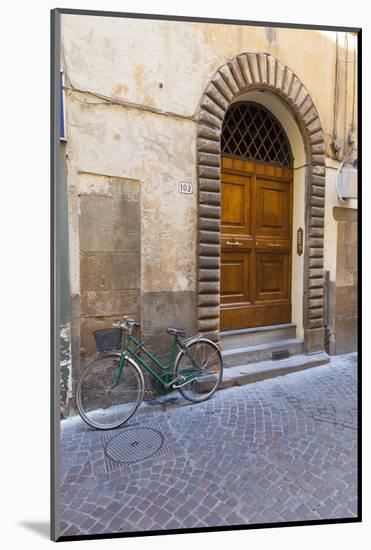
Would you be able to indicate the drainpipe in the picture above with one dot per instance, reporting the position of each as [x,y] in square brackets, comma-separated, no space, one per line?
[354,94]
[346,93]
[349,140]
[335,143]
[329,315]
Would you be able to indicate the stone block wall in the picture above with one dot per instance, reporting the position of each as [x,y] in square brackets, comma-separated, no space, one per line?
[109,222]
[346,309]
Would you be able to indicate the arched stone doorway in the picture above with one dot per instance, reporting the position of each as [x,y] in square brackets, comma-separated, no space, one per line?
[244,73]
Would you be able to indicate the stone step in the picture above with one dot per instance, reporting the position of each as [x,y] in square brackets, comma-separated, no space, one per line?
[246,374]
[261,352]
[258,335]
[242,375]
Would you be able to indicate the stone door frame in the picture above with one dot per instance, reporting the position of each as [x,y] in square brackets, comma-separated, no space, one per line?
[256,71]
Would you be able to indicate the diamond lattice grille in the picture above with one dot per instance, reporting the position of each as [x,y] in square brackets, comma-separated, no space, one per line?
[252,132]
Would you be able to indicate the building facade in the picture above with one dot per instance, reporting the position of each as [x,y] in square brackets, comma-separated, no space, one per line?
[210,174]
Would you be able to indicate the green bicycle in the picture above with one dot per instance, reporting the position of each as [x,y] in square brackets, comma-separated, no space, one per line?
[111,388]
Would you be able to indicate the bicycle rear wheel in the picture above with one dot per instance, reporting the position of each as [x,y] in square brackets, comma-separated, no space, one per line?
[103,406]
[203,364]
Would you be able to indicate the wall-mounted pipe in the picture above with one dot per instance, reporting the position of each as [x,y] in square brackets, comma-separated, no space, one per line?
[335,144]
[354,88]
[345,140]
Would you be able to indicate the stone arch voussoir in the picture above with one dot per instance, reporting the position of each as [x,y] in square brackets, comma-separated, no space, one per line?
[246,72]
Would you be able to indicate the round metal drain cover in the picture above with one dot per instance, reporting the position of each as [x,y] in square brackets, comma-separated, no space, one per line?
[134,445]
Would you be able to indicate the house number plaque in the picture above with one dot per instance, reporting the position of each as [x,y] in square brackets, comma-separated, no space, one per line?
[185,187]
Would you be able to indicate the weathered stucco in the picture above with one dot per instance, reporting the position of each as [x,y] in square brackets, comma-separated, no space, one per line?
[133,89]
[165,157]
[128,59]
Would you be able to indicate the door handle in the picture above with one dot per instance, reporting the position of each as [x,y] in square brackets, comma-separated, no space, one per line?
[275,244]
[233,243]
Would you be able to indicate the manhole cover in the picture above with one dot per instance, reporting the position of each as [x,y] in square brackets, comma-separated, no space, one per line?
[134,445]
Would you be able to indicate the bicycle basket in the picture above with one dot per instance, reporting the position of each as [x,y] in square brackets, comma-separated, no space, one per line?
[106,339]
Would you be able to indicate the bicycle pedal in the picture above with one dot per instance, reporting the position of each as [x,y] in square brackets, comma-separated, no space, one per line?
[176,386]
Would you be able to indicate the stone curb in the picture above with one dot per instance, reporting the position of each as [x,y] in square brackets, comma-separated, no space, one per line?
[234,377]
[242,375]
[254,372]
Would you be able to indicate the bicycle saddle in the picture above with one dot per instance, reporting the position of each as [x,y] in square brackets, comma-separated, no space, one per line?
[176,331]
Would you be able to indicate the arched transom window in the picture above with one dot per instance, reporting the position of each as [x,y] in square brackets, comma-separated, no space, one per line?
[252,132]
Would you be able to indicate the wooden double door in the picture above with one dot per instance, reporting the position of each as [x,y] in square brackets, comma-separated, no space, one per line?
[256,244]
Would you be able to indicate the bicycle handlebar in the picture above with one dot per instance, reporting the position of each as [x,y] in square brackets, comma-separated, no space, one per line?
[127,323]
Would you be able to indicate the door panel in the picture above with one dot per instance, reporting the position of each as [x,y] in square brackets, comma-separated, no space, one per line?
[272,281]
[235,277]
[236,214]
[256,244]
[234,200]
[272,209]
[256,315]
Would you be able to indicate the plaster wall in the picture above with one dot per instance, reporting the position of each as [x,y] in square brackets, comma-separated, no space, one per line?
[102,156]
[129,59]
[159,70]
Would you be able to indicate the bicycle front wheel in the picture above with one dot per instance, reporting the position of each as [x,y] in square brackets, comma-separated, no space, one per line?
[102,404]
[202,363]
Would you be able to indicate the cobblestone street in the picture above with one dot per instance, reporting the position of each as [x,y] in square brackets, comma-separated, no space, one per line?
[277,450]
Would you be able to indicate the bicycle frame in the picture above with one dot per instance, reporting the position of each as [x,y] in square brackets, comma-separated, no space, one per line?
[167,368]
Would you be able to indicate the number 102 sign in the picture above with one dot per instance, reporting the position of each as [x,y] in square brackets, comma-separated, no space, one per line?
[185,187]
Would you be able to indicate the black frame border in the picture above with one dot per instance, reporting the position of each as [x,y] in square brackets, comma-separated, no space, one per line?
[55,266]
